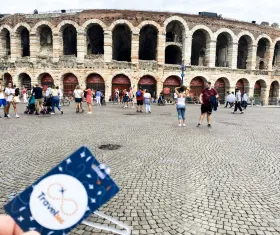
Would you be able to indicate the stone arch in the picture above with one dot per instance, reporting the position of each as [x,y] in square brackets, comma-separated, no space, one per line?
[69,81]
[24,80]
[5,40]
[222,85]
[228,31]
[87,24]
[224,47]
[45,79]
[120,81]
[94,43]
[8,78]
[274,90]
[122,39]
[264,44]
[20,25]
[121,21]
[68,38]
[276,55]
[148,82]
[243,85]
[63,23]
[244,51]
[44,38]
[169,85]
[176,18]
[259,91]
[22,35]
[148,42]
[150,22]
[196,86]
[201,38]
[96,82]
[246,33]
[204,28]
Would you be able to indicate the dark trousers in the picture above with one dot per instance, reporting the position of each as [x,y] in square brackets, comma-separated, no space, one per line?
[55,103]
[237,106]
[230,104]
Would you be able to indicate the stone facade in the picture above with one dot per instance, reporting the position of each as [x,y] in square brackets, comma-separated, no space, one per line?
[47,54]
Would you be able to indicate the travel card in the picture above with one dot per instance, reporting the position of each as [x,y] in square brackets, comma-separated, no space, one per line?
[65,196]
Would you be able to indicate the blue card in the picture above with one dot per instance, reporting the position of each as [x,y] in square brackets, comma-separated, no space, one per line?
[65,196]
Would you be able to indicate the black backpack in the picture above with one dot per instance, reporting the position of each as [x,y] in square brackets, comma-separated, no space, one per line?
[85,94]
[16,91]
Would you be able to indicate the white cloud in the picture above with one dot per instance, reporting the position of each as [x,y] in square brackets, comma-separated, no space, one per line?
[247,10]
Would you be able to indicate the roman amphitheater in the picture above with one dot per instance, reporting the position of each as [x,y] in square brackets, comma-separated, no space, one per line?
[106,49]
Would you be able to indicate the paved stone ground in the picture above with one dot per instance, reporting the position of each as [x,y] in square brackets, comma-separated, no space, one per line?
[173,180]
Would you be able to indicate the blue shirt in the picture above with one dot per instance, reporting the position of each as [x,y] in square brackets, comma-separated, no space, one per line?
[98,94]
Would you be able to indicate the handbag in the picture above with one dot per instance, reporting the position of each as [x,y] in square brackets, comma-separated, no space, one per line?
[16,99]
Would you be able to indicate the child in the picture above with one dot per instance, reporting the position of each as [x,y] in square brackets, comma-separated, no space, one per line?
[2,98]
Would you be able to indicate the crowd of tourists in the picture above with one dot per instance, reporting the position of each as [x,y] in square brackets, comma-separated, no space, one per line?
[42,102]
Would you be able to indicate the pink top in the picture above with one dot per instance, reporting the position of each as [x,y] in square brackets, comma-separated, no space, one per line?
[89,96]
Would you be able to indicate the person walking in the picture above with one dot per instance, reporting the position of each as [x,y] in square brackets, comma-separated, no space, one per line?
[206,107]
[181,93]
[238,102]
[98,97]
[2,99]
[55,99]
[131,96]
[125,98]
[147,101]
[38,94]
[78,95]
[117,94]
[9,93]
[16,100]
[244,100]
[24,95]
[139,98]
[89,99]
[175,98]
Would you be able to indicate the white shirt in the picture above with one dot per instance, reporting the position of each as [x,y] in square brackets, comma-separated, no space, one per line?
[48,92]
[147,96]
[60,93]
[10,92]
[245,97]
[231,98]
[175,96]
[2,95]
[238,96]
[78,93]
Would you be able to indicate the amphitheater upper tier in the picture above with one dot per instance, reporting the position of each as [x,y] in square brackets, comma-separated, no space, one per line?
[108,49]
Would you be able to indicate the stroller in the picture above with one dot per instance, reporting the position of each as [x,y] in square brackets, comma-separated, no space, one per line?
[30,108]
[47,105]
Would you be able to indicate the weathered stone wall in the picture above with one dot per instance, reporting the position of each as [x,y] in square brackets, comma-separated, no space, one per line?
[57,65]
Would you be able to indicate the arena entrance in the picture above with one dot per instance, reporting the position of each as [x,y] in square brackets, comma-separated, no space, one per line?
[221,85]
[96,82]
[196,86]
[70,82]
[7,79]
[259,91]
[273,93]
[25,81]
[169,86]
[46,81]
[121,82]
[148,82]
[242,85]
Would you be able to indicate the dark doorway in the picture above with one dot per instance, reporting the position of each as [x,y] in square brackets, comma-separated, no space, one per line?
[148,43]
[120,82]
[46,81]
[173,55]
[122,43]
[198,48]
[243,51]
[70,82]
[96,82]
[25,42]
[222,50]
[95,40]
[148,83]
[70,40]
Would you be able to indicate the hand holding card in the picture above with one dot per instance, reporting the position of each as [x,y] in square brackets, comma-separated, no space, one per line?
[65,196]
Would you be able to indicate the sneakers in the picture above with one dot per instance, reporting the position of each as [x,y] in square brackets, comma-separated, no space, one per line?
[209,126]
[233,112]
[17,116]
[61,112]
[198,125]
[184,125]
[150,112]
[52,113]
[37,113]
[179,125]
[7,116]
[89,112]
[241,112]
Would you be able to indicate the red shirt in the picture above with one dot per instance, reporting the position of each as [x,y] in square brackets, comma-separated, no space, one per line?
[206,95]
[140,97]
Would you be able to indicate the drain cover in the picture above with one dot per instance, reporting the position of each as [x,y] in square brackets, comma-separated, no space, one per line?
[110,146]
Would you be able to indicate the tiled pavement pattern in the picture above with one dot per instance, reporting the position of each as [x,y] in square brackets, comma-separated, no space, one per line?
[173,180]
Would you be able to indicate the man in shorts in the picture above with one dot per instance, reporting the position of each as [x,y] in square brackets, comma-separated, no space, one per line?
[206,107]
[38,93]
[140,99]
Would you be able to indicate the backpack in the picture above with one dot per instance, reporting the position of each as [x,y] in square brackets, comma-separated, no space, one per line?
[16,91]
[85,94]
[138,93]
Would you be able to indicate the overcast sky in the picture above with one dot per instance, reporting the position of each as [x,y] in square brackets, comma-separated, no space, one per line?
[246,10]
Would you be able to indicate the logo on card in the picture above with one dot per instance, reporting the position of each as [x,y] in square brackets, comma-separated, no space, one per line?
[58,202]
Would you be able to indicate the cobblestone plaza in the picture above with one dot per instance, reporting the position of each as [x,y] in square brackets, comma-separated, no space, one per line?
[223,180]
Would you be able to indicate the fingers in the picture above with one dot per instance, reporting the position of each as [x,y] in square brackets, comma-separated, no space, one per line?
[31,233]
[7,225]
